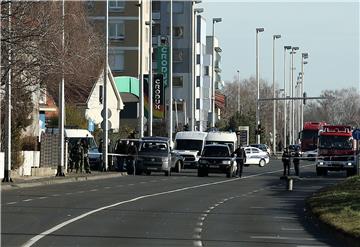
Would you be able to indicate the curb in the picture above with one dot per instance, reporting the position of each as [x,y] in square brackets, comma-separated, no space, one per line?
[59,180]
[339,234]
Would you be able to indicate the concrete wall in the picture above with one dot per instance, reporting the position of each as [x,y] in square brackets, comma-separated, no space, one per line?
[31,159]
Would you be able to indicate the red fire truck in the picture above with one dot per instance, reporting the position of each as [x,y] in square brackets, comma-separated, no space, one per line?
[309,136]
[336,150]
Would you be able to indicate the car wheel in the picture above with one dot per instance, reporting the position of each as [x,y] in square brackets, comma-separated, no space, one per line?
[262,163]
[200,172]
[148,173]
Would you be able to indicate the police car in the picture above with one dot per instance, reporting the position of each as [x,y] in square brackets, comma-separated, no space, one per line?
[255,156]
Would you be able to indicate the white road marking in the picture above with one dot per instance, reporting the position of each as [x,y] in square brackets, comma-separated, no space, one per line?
[107,187]
[257,207]
[207,211]
[131,184]
[70,193]
[143,182]
[201,218]
[196,236]
[55,195]
[285,217]
[283,238]
[43,197]
[10,203]
[198,229]
[94,190]
[291,229]
[27,200]
[36,238]
[199,224]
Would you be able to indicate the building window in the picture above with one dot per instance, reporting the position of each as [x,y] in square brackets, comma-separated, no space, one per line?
[178,55]
[178,106]
[207,70]
[178,32]
[198,59]
[197,104]
[116,60]
[116,30]
[178,81]
[116,5]
[156,29]
[197,81]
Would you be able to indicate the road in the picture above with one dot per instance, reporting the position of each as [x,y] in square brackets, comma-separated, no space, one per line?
[181,210]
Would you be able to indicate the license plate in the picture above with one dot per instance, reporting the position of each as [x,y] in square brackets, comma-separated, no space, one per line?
[214,166]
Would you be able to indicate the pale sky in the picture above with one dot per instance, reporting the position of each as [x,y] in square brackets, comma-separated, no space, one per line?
[328,31]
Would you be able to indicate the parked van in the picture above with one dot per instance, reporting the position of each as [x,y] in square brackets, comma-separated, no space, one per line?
[189,144]
[218,137]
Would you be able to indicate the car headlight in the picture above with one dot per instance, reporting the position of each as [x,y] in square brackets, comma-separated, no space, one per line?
[349,164]
[226,162]
[321,163]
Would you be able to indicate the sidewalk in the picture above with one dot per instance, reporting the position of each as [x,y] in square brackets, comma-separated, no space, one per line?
[30,181]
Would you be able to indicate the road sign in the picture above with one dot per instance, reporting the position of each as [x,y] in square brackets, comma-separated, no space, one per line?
[356,134]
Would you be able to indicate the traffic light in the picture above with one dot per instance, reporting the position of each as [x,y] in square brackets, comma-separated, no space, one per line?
[304,96]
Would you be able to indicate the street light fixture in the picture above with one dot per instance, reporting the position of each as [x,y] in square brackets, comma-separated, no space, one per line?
[214,20]
[285,101]
[258,30]
[276,36]
[303,62]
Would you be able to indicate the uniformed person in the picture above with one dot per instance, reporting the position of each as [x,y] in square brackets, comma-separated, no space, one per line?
[131,158]
[296,162]
[85,145]
[78,156]
[240,160]
[286,159]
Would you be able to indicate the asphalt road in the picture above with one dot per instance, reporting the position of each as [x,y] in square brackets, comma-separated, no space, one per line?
[181,210]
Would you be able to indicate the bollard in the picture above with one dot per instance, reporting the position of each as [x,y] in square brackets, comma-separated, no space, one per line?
[290,182]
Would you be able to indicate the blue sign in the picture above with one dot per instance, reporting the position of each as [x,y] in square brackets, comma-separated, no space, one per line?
[356,134]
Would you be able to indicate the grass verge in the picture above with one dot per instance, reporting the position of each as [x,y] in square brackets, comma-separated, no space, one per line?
[339,206]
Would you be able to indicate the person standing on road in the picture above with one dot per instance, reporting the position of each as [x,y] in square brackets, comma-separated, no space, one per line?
[286,159]
[240,160]
[132,154]
[121,149]
[296,162]
[78,154]
[85,145]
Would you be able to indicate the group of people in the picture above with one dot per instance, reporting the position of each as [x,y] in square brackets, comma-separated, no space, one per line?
[127,152]
[79,157]
[286,159]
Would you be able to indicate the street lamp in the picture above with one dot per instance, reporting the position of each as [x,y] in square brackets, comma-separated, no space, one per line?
[303,56]
[150,24]
[193,67]
[285,101]
[276,36]
[171,72]
[258,30]
[214,20]
[292,115]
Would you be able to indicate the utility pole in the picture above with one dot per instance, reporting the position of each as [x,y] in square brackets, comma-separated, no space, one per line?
[141,76]
[171,73]
[258,30]
[150,73]
[277,36]
[285,102]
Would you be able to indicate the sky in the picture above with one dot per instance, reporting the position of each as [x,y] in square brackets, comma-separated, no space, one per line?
[327,31]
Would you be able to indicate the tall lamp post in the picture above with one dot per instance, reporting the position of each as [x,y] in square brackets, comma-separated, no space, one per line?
[171,72]
[141,67]
[292,115]
[258,30]
[276,36]
[150,23]
[214,20]
[285,101]
[303,56]
[238,97]
[193,62]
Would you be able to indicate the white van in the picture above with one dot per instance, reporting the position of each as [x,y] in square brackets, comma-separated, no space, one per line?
[217,137]
[189,144]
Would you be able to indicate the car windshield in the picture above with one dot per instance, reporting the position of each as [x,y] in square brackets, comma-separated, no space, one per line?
[182,144]
[230,145]
[259,146]
[335,142]
[216,151]
[154,147]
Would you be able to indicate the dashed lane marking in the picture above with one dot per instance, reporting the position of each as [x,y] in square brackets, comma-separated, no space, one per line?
[27,200]
[10,203]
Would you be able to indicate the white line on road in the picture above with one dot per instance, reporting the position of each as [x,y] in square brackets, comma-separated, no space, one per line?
[285,217]
[94,190]
[107,187]
[291,229]
[10,203]
[27,200]
[198,243]
[36,238]
[43,197]
[283,238]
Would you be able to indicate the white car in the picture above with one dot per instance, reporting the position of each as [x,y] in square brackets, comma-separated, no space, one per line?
[255,156]
[310,155]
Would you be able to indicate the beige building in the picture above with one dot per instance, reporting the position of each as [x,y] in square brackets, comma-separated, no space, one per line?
[124,34]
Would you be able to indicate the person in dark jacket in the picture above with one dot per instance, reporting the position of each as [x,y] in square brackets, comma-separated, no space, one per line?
[240,160]
[286,159]
[296,162]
